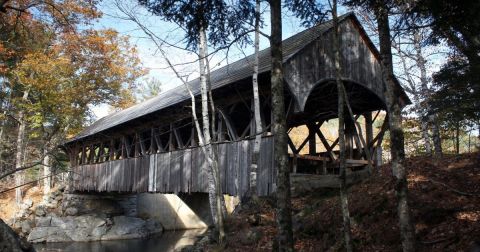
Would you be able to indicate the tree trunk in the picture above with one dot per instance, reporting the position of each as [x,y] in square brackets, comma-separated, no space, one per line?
[256,102]
[425,92]
[214,178]
[437,140]
[213,129]
[396,132]
[283,209]
[457,138]
[341,133]
[19,176]
[47,181]
[6,109]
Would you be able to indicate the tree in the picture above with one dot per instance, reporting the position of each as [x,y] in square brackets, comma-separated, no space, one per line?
[341,130]
[214,22]
[256,100]
[150,88]
[381,11]
[283,208]
[395,126]
[455,22]
[63,69]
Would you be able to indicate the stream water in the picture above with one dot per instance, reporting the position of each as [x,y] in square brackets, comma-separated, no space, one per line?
[168,241]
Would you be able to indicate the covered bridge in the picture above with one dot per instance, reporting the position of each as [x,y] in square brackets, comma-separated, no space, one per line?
[152,146]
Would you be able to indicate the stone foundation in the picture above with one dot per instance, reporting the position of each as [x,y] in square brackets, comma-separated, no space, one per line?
[93,217]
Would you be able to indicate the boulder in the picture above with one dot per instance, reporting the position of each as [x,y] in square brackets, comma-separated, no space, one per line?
[126,228]
[71,211]
[48,234]
[43,221]
[10,241]
[26,226]
[40,211]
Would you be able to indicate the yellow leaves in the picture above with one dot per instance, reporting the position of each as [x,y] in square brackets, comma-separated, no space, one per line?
[82,69]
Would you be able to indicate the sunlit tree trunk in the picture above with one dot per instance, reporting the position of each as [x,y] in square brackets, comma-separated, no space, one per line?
[341,132]
[256,102]
[283,210]
[425,92]
[397,147]
[19,176]
[214,177]
[47,173]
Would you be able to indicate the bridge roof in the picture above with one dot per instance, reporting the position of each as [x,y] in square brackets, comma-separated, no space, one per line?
[221,77]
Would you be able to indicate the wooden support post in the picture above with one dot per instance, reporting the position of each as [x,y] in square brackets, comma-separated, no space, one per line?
[127,146]
[178,138]
[91,156]
[171,146]
[220,130]
[136,144]
[312,143]
[153,142]
[368,129]
[194,142]
[111,150]
[232,132]
[158,141]
[141,142]
[349,134]
[101,151]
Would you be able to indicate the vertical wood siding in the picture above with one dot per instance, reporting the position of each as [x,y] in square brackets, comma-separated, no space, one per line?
[180,171]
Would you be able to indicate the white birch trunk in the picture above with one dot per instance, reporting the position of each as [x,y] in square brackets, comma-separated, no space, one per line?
[214,178]
[47,181]
[256,102]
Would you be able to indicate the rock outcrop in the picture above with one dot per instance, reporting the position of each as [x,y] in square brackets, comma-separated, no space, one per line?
[10,241]
[91,228]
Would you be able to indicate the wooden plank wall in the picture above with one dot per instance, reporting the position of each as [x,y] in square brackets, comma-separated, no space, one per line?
[181,171]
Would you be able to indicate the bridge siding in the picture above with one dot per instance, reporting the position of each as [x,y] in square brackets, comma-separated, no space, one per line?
[180,171]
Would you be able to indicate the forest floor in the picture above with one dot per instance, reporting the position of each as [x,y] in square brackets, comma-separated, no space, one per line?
[444,199]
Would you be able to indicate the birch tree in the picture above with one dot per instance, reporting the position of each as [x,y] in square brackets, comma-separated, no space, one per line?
[256,102]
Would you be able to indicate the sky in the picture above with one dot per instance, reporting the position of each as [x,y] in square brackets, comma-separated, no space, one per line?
[151,59]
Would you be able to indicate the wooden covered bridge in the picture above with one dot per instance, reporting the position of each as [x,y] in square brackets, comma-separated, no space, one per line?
[152,146]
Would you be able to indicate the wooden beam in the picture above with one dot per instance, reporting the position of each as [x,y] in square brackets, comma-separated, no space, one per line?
[328,147]
[310,157]
[303,144]
[171,147]
[232,132]
[153,145]
[141,142]
[111,150]
[290,143]
[158,141]
[178,137]
[312,143]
